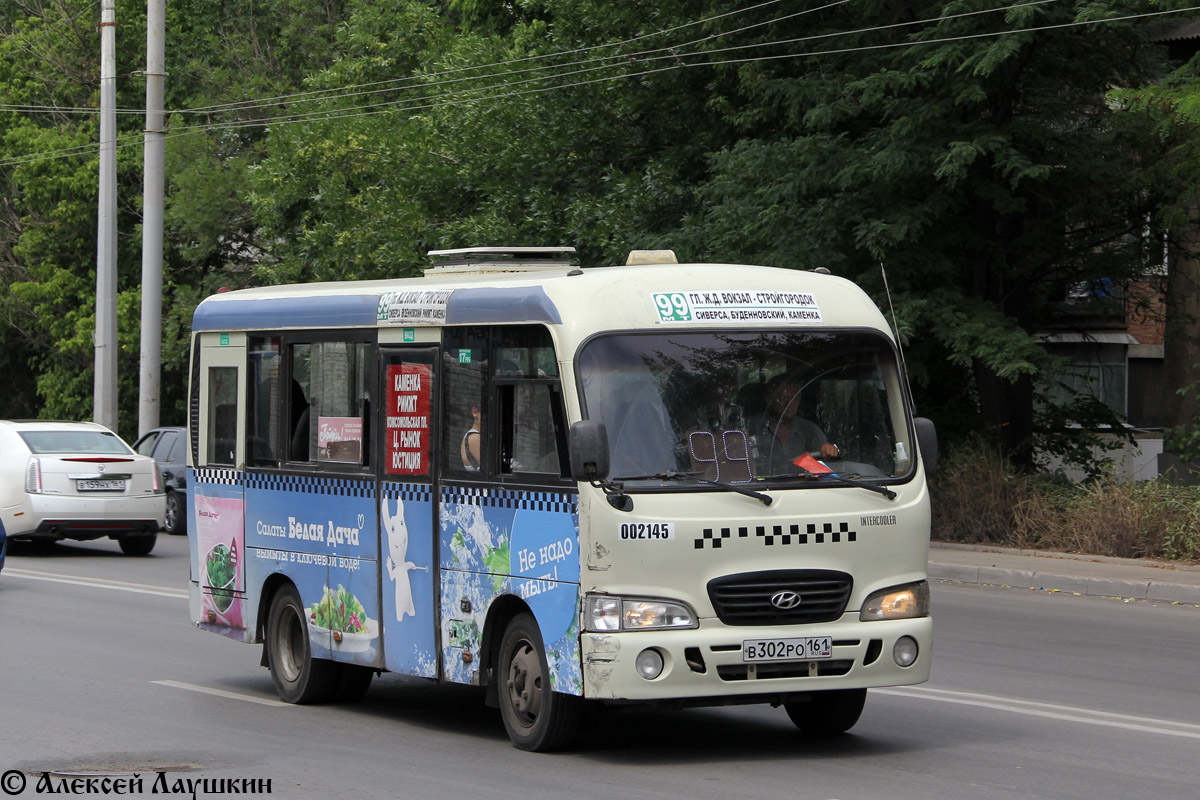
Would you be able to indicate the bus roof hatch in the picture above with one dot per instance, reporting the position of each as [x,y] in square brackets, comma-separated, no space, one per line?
[499,259]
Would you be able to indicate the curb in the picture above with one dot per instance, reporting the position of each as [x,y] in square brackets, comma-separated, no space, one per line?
[1061,580]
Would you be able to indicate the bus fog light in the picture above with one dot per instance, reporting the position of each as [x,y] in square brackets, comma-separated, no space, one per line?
[905,651]
[649,664]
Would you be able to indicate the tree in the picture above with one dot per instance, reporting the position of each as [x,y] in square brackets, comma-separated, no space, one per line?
[985,171]
[1171,108]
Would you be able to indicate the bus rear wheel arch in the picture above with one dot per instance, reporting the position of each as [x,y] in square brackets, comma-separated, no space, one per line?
[298,677]
[536,717]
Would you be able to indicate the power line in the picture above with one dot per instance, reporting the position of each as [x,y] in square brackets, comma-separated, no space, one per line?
[678,64]
[668,52]
[409,79]
[383,108]
[425,101]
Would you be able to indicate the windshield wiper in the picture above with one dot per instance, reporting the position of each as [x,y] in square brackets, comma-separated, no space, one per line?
[671,475]
[839,480]
[733,487]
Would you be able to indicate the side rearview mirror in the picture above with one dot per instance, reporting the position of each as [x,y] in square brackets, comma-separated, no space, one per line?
[588,443]
[927,441]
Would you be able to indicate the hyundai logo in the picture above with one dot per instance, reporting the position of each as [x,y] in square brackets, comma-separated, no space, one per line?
[785,601]
[99,468]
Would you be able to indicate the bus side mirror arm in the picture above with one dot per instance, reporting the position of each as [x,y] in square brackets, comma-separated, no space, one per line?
[588,443]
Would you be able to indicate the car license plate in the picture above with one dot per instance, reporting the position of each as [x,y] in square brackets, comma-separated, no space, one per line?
[803,648]
[98,485]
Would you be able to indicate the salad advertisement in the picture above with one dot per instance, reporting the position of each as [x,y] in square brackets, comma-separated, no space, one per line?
[322,533]
[221,563]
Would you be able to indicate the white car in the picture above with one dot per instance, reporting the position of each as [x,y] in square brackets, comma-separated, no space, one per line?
[77,480]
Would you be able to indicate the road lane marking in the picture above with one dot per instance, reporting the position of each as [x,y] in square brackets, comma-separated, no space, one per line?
[246,698]
[97,583]
[1164,727]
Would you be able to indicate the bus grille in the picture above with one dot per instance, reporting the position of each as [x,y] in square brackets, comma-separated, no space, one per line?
[784,669]
[745,598]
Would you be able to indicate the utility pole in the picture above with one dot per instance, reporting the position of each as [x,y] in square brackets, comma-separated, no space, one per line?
[152,220]
[105,404]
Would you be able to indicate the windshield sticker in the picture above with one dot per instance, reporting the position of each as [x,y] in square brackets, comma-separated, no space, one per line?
[414,307]
[734,306]
[648,531]
[716,537]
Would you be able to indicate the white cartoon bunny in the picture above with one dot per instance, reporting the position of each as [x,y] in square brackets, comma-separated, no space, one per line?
[398,564]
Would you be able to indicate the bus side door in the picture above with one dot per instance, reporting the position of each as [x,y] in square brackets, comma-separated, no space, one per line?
[217,504]
[405,426]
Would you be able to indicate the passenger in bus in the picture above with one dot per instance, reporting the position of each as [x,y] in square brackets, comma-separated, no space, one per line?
[781,434]
[469,448]
[298,448]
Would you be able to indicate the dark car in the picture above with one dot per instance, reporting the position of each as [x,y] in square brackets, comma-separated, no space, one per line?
[168,447]
[3,545]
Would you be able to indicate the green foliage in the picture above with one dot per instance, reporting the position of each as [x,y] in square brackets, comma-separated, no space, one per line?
[1184,440]
[346,138]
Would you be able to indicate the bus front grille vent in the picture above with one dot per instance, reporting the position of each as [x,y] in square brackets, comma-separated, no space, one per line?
[780,597]
[784,669]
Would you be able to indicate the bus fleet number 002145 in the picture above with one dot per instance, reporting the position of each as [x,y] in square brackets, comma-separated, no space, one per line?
[647,530]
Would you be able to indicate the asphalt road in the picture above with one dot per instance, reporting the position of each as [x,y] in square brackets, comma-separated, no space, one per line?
[1034,695]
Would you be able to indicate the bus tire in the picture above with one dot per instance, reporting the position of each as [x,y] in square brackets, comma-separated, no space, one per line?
[536,717]
[298,677]
[827,713]
[353,682]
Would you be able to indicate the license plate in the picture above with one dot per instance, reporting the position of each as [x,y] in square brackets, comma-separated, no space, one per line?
[95,485]
[803,648]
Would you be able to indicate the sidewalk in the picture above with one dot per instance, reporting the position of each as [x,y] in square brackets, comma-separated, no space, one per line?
[1100,576]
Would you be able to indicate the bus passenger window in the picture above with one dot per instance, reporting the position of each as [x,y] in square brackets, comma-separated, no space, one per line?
[529,432]
[329,402]
[222,415]
[262,408]
[298,408]
[464,434]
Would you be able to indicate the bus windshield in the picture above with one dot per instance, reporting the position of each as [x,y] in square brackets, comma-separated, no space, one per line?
[774,406]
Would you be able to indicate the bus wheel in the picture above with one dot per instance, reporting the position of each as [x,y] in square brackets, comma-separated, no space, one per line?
[827,713]
[353,682]
[298,677]
[536,717]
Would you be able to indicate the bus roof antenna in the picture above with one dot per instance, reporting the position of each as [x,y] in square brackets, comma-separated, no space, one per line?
[896,330]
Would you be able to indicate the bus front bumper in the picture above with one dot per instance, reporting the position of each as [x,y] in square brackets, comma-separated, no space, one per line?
[705,665]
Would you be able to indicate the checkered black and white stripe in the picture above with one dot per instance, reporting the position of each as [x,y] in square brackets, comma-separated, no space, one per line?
[221,477]
[715,537]
[408,492]
[511,498]
[310,484]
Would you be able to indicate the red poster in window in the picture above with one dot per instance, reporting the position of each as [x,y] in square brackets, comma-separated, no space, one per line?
[406,451]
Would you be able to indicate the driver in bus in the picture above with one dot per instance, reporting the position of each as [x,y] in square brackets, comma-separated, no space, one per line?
[781,434]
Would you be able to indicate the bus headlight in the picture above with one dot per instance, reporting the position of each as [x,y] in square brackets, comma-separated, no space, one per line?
[609,613]
[897,602]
